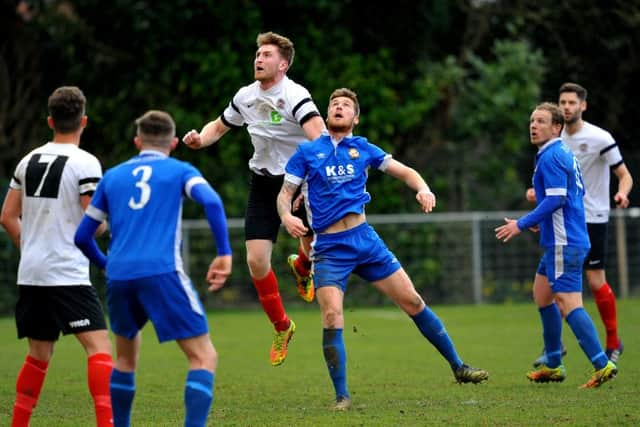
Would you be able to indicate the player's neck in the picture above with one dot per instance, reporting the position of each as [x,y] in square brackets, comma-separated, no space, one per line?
[339,135]
[574,127]
[66,138]
[268,84]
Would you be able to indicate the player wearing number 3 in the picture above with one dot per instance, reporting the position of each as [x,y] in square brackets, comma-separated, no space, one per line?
[142,198]
[50,188]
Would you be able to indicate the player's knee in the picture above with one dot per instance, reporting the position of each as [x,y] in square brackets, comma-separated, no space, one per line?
[332,318]
[258,267]
[203,357]
[412,303]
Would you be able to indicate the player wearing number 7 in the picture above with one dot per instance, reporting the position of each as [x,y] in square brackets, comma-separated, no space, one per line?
[142,198]
[50,188]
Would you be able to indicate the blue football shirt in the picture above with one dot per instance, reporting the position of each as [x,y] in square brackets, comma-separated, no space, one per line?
[142,199]
[557,173]
[334,176]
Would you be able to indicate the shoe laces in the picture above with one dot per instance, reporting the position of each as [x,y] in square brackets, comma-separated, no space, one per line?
[279,339]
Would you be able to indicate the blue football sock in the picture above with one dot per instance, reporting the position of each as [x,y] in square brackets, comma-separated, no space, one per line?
[198,396]
[433,330]
[122,388]
[552,334]
[336,358]
[584,329]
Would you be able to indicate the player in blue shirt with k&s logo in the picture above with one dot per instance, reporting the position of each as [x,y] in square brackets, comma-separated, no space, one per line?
[332,171]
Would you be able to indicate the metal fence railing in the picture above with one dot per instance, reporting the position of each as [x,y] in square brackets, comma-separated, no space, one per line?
[451,258]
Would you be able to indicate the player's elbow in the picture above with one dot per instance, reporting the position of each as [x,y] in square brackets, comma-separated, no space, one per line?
[79,239]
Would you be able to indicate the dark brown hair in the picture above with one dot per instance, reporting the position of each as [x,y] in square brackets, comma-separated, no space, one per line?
[575,88]
[66,108]
[156,128]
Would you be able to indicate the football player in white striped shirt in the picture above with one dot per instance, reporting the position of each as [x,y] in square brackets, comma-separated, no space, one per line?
[49,191]
[279,115]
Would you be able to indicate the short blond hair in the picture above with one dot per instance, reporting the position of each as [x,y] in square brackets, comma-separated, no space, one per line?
[285,46]
[557,118]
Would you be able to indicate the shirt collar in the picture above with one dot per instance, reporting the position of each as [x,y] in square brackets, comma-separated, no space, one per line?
[153,153]
[548,144]
[335,142]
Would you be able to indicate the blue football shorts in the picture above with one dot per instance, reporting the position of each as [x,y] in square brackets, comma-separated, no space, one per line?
[359,250]
[563,267]
[168,300]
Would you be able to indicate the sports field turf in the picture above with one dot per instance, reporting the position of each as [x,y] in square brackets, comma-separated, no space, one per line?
[396,378]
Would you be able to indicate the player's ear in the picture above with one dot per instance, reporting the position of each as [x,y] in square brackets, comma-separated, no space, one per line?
[356,120]
[50,122]
[137,142]
[83,121]
[174,143]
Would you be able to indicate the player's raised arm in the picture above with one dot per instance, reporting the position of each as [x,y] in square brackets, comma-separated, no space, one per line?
[210,134]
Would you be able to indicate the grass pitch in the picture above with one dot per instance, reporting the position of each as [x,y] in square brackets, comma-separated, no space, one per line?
[395,376]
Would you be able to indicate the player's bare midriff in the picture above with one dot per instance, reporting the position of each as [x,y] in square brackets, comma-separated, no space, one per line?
[346,223]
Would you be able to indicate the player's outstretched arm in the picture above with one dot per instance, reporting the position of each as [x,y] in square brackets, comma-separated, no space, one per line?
[209,135]
[414,180]
[507,231]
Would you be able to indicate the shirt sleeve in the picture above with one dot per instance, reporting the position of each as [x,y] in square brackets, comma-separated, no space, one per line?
[543,210]
[204,194]
[379,158]
[303,107]
[99,207]
[555,177]
[612,155]
[296,169]
[231,116]
[17,180]
[89,174]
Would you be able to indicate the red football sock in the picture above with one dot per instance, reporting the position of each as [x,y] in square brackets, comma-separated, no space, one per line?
[269,296]
[99,370]
[606,302]
[28,387]
[303,263]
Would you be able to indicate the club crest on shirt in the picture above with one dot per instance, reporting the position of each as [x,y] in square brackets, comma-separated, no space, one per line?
[280,103]
[353,153]
[583,148]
